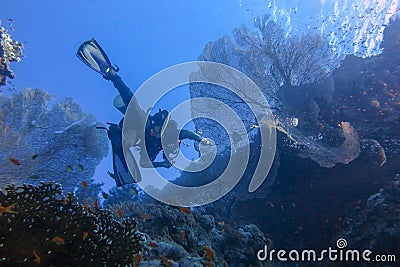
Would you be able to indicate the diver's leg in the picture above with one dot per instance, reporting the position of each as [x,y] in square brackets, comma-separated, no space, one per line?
[127,97]
[124,91]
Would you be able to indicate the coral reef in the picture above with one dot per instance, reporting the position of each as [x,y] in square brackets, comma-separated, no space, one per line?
[189,237]
[88,191]
[60,144]
[294,75]
[307,204]
[354,111]
[376,226]
[42,226]
[10,51]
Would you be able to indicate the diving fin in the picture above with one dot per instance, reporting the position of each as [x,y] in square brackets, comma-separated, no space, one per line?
[122,174]
[93,56]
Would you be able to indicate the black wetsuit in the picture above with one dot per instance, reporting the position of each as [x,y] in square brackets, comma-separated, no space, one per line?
[152,142]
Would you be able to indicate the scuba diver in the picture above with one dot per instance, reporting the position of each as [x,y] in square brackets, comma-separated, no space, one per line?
[158,127]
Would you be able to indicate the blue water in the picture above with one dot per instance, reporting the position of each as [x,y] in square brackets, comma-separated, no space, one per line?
[145,37]
[141,37]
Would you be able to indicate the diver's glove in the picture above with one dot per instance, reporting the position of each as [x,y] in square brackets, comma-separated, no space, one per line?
[206,142]
[166,164]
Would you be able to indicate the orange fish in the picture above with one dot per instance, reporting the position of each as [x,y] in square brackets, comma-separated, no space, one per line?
[85,207]
[120,213]
[64,201]
[221,223]
[167,262]
[96,204]
[185,210]
[146,216]
[15,161]
[85,235]
[209,253]
[58,240]
[153,244]
[71,197]
[375,103]
[8,209]
[137,259]
[37,258]
[84,184]
[182,234]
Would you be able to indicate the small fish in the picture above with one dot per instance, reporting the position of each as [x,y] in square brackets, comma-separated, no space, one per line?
[71,197]
[152,244]
[37,258]
[167,262]
[104,195]
[146,216]
[84,235]
[96,203]
[10,19]
[64,201]
[134,191]
[119,212]
[34,156]
[15,161]
[221,223]
[137,259]
[35,177]
[182,234]
[8,209]
[80,168]
[185,210]
[69,168]
[375,103]
[58,240]
[84,184]
[209,253]
[85,207]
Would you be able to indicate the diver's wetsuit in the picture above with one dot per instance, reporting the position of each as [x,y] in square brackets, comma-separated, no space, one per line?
[153,142]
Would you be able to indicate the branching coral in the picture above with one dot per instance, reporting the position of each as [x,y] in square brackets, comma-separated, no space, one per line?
[45,227]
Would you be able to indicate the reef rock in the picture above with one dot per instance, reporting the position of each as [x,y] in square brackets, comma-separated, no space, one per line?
[377,225]
[60,144]
[189,237]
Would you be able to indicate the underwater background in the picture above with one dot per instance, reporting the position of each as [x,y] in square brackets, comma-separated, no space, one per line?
[329,69]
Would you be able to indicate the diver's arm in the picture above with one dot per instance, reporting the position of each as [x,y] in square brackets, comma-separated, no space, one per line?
[151,164]
[186,134]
